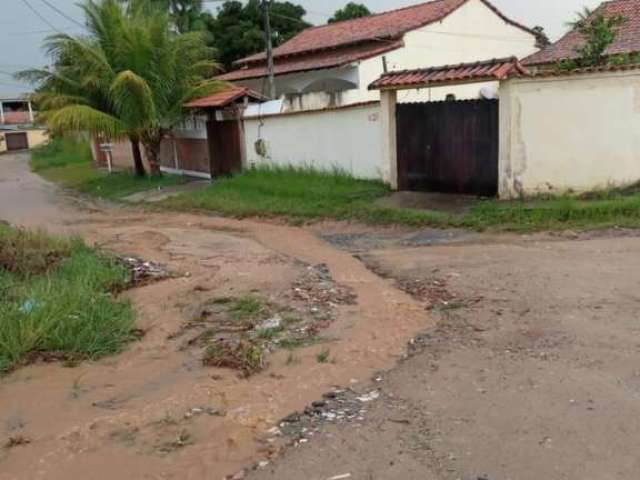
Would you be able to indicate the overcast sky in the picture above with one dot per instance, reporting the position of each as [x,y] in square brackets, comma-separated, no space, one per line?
[22,29]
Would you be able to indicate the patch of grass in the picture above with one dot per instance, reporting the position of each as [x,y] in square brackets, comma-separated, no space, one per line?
[304,342]
[62,309]
[61,152]
[244,356]
[276,191]
[26,253]
[270,333]
[68,162]
[555,214]
[246,308]
[324,356]
[302,195]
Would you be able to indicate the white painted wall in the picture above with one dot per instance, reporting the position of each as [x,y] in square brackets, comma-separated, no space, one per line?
[472,33]
[346,138]
[569,134]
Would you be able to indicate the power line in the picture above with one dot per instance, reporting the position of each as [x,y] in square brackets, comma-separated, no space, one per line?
[60,12]
[39,15]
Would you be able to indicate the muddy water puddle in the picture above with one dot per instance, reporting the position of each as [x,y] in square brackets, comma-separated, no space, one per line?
[166,408]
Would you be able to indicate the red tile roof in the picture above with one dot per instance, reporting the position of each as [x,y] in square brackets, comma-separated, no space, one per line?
[490,70]
[319,60]
[386,29]
[224,98]
[627,40]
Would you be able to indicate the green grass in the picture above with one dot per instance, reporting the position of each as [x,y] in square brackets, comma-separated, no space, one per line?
[302,195]
[68,162]
[609,211]
[296,193]
[56,298]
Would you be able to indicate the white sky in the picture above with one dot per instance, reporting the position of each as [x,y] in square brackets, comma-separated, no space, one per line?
[22,30]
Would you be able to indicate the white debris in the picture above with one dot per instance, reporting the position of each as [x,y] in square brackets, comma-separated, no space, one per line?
[273,322]
[370,397]
[340,477]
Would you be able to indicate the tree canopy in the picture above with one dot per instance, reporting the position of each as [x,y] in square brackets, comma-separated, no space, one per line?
[350,11]
[128,77]
[238,28]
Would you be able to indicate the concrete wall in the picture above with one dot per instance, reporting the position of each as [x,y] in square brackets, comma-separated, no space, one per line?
[346,138]
[569,134]
[36,137]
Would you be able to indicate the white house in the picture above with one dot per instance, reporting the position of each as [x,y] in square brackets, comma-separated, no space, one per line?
[333,65]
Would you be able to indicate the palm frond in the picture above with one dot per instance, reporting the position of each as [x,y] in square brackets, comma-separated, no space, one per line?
[133,99]
[82,118]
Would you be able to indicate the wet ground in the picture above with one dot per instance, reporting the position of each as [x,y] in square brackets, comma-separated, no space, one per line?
[522,360]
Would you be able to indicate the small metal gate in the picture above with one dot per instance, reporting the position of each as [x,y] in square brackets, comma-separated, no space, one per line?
[17,141]
[449,147]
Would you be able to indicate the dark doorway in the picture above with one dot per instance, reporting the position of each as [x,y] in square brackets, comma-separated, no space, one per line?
[449,147]
[225,150]
[17,141]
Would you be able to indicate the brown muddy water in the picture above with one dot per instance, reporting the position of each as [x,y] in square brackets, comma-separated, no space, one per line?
[154,411]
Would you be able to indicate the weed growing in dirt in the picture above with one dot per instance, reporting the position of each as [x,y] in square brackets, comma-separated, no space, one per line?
[182,440]
[292,359]
[295,343]
[324,356]
[244,356]
[56,301]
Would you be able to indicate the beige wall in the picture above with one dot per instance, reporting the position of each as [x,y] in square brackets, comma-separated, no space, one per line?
[348,138]
[35,137]
[569,134]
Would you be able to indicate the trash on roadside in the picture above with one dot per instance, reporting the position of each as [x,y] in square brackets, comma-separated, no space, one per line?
[29,306]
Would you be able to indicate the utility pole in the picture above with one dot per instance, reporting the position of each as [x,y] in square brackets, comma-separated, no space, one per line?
[271,92]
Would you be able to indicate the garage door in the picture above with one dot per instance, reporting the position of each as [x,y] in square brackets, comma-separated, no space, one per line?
[17,141]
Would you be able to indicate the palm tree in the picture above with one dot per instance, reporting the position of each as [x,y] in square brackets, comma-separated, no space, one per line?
[129,77]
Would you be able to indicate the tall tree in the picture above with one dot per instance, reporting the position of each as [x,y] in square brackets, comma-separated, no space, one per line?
[187,15]
[238,31]
[129,77]
[350,11]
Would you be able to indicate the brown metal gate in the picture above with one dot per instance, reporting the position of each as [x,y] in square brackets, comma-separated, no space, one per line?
[225,150]
[448,147]
[17,141]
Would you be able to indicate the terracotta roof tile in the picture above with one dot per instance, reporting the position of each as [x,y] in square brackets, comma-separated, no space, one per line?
[380,27]
[627,40]
[489,70]
[320,60]
[224,98]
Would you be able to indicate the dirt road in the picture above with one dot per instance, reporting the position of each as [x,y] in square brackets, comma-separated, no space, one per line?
[524,357]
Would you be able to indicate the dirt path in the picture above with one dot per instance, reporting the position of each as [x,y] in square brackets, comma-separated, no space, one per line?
[524,366]
[532,373]
[131,416]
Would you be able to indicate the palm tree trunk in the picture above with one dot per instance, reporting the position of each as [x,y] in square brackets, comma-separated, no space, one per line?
[152,150]
[137,158]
